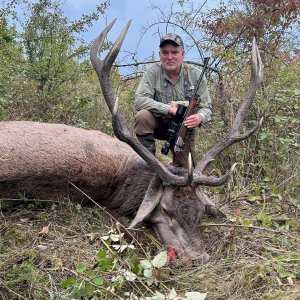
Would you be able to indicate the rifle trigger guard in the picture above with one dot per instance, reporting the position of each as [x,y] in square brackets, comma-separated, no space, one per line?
[179,145]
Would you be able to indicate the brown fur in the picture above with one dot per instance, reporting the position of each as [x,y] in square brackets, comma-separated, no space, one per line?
[43,161]
[40,160]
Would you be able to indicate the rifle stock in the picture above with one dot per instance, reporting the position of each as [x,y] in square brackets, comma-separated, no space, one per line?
[191,109]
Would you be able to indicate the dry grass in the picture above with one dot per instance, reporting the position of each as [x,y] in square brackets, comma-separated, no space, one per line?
[40,246]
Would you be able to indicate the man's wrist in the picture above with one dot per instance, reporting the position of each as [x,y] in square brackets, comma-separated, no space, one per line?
[202,118]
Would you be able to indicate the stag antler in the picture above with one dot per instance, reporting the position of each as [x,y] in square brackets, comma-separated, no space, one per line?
[121,130]
[103,68]
[233,135]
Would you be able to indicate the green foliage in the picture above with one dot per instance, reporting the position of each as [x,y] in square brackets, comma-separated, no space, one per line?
[25,273]
[49,78]
[117,269]
[10,61]
[49,47]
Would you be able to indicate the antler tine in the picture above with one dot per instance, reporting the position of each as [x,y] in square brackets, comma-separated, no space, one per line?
[256,79]
[96,47]
[121,130]
[233,135]
[103,67]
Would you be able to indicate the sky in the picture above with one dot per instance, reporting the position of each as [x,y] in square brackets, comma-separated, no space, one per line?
[124,10]
[138,10]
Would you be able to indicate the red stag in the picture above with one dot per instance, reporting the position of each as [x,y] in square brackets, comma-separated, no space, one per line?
[47,160]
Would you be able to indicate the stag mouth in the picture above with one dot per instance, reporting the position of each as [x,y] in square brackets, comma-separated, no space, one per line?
[190,254]
[186,246]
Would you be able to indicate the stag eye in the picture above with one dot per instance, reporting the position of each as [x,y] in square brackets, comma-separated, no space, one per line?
[167,213]
[164,211]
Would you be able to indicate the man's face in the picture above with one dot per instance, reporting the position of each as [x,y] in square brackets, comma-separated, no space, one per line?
[171,57]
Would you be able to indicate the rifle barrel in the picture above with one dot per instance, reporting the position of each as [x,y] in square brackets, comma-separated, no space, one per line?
[205,64]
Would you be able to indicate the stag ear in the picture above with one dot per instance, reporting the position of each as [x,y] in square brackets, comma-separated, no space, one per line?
[210,208]
[213,211]
[150,201]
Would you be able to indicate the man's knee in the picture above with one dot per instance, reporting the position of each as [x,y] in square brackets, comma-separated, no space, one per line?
[144,122]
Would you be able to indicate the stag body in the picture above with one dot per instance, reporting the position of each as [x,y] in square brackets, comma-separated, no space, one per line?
[41,160]
[46,161]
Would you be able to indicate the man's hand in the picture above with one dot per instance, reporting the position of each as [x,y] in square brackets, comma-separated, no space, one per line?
[193,121]
[172,110]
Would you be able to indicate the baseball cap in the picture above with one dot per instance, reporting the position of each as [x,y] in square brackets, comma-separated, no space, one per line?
[171,37]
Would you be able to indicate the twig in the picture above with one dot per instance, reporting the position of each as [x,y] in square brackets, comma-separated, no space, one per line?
[248,227]
[111,216]
[288,179]
[13,292]
[136,64]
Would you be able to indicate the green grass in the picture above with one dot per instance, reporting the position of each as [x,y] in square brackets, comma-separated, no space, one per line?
[55,251]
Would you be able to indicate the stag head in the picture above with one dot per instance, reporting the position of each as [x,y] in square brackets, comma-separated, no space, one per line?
[173,204]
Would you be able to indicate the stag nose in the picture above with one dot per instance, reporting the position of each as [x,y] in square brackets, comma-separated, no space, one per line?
[191,256]
[196,256]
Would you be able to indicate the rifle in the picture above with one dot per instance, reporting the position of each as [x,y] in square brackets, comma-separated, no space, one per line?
[177,131]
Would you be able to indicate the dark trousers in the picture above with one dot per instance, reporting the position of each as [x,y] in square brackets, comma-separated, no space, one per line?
[149,127]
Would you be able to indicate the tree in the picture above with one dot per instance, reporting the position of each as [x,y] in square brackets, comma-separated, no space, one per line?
[51,47]
[51,81]
[10,59]
[274,24]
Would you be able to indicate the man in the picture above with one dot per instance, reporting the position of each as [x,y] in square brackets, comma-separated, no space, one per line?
[161,87]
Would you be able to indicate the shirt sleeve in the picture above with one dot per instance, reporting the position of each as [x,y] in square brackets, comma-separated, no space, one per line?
[205,107]
[145,93]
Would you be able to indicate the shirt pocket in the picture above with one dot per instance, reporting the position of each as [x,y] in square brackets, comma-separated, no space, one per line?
[159,95]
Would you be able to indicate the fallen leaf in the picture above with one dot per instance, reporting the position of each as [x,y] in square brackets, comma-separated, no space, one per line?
[45,230]
[24,220]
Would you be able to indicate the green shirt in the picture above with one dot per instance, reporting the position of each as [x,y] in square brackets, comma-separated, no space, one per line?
[156,90]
